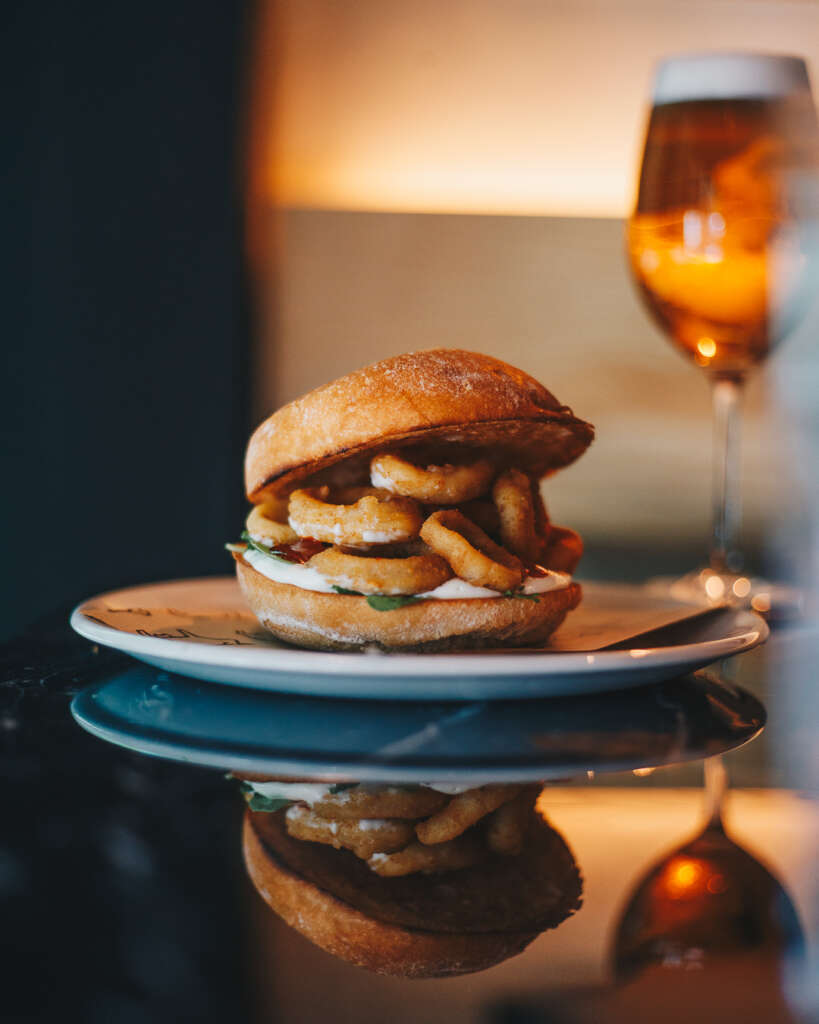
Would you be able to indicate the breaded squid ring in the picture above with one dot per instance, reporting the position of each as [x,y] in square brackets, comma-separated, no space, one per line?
[435,485]
[364,837]
[372,519]
[483,513]
[506,828]
[473,556]
[265,528]
[413,575]
[364,801]
[562,549]
[463,811]
[512,494]
[458,853]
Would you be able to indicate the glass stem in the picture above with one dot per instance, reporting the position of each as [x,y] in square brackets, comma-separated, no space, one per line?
[727,396]
[716,784]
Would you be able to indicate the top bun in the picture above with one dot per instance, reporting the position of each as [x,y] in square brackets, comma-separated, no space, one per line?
[447,397]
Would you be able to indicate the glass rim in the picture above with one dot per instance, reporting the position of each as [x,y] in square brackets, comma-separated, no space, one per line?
[728,75]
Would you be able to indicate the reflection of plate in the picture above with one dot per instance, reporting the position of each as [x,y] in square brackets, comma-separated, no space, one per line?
[201,628]
[156,713]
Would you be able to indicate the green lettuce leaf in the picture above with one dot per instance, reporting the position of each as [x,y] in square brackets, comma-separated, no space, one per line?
[271,552]
[389,602]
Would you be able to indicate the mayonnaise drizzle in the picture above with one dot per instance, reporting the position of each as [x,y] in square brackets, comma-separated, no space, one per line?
[311,792]
[308,578]
[306,792]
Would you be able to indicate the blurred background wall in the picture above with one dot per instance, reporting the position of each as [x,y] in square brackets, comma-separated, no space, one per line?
[123,384]
[458,175]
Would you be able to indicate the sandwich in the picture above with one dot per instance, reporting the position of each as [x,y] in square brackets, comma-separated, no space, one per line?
[412,881]
[399,507]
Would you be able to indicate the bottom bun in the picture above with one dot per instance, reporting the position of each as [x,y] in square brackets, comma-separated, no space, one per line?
[417,926]
[341,622]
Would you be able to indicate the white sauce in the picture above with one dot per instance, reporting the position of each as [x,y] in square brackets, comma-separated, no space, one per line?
[264,541]
[382,536]
[308,792]
[308,578]
[451,788]
[367,536]
[377,479]
[293,573]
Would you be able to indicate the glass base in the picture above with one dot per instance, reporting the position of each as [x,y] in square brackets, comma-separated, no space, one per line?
[774,601]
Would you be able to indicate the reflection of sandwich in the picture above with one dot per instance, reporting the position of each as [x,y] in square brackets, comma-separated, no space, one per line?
[400,507]
[464,880]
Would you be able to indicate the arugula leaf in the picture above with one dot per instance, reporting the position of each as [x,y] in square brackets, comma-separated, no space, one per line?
[389,602]
[256,546]
[343,590]
[257,802]
[521,595]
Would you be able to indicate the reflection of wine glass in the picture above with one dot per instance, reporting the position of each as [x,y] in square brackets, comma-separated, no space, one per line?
[720,238]
[706,900]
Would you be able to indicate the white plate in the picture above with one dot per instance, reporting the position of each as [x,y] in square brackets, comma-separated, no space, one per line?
[201,628]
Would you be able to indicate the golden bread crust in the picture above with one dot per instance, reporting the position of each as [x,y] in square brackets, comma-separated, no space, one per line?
[441,396]
[375,937]
[337,622]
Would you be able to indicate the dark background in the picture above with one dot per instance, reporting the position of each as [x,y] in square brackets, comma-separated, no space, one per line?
[125,352]
[123,392]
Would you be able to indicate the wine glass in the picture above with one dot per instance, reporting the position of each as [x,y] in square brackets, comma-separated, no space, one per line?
[720,245]
[707,900]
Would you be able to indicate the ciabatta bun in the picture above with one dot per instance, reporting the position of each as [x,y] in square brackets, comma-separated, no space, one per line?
[418,926]
[338,622]
[448,398]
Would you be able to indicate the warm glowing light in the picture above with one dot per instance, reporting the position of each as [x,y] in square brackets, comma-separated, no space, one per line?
[714,587]
[683,877]
[641,772]
[761,602]
[707,347]
[638,653]
[742,587]
[444,108]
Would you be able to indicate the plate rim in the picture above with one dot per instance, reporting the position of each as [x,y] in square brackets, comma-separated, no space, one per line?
[150,742]
[372,665]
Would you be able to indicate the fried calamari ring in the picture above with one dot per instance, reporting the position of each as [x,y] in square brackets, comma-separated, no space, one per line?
[462,852]
[506,828]
[373,575]
[371,801]
[435,485]
[364,837]
[473,556]
[541,515]
[512,494]
[562,549]
[371,519]
[463,811]
[266,528]
[482,512]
